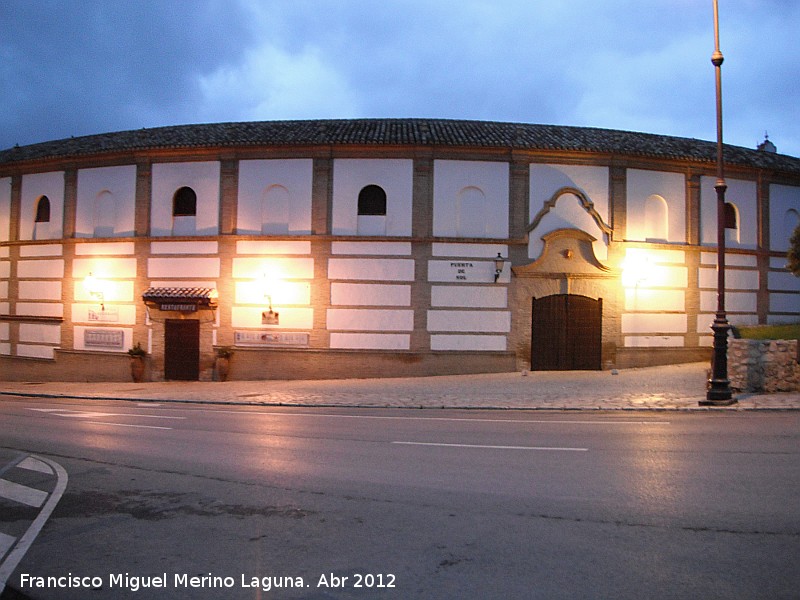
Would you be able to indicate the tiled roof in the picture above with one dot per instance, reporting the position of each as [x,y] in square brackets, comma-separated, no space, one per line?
[404,132]
[162,294]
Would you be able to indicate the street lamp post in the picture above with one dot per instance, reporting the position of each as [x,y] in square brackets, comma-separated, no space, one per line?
[719,391]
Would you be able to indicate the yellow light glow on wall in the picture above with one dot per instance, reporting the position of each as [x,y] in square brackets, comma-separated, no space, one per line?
[282,292]
[95,288]
[637,268]
[91,285]
[104,279]
[271,282]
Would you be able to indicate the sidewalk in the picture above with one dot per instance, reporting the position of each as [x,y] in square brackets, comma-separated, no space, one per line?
[674,387]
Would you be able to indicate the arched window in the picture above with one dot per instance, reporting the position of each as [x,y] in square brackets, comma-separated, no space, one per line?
[656,218]
[184,203]
[731,222]
[731,216]
[792,219]
[372,201]
[43,210]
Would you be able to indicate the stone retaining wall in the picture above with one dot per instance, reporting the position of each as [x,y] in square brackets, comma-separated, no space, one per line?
[764,365]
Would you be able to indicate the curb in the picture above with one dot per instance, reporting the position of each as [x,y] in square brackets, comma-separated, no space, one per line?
[690,409]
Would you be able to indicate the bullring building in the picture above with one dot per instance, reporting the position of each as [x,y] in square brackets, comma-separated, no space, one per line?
[389,247]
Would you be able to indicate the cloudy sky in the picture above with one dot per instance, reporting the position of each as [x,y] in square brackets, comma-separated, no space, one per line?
[78,67]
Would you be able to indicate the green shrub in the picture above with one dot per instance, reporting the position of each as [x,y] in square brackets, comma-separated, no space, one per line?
[790,331]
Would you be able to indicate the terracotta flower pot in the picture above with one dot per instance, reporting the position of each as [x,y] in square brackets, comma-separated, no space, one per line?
[223,367]
[137,368]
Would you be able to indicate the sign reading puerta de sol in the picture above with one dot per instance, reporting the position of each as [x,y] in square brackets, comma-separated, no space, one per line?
[461,271]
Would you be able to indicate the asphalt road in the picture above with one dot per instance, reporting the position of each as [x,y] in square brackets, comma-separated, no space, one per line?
[360,503]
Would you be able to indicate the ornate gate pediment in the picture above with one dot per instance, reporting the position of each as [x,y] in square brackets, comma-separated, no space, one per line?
[567,252]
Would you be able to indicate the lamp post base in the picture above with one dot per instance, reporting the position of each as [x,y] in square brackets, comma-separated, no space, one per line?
[719,397]
[719,391]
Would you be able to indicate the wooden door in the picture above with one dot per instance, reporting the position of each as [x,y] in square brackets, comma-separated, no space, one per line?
[566,333]
[182,349]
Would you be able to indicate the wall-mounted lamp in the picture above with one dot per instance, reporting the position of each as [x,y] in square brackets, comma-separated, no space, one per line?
[499,264]
[636,270]
[95,288]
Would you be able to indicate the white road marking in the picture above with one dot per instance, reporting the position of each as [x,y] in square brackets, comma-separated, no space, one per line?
[455,419]
[491,447]
[22,493]
[34,464]
[6,543]
[81,415]
[84,414]
[16,552]
[127,425]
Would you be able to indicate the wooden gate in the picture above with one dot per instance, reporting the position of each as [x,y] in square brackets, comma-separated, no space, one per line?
[182,349]
[566,333]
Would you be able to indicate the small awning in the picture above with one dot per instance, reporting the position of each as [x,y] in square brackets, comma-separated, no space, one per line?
[183,299]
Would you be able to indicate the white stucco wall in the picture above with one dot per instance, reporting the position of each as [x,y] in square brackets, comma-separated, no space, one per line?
[34,186]
[370,294]
[370,341]
[39,290]
[41,269]
[262,184]
[203,178]
[784,281]
[372,248]
[272,247]
[470,199]
[350,176]
[671,187]
[117,186]
[371,269]
[784,208]
[183,267]
[742,194]
[40,277]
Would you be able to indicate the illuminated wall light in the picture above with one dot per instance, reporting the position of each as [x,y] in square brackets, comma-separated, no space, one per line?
[637,270]
[269,285]
[96,289]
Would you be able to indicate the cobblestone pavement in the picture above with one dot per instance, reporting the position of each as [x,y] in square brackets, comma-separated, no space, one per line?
[674,387]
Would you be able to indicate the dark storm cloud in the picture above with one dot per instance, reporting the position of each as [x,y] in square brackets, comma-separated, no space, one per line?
[73,68]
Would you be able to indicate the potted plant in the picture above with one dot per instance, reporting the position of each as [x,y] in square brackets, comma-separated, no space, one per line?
[223,362]
[137,354]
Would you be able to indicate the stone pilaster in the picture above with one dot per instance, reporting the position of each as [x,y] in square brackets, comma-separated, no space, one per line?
[320,294]
[518,198]
[762,298]
[693,209]
[144,186]
[70,201]
[422,227]
[618,201]
[228,201]
[321,196]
